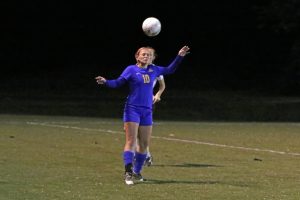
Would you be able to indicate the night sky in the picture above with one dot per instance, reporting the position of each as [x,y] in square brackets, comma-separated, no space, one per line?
[234,44]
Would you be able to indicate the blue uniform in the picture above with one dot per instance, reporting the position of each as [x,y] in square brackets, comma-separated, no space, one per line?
[138,106]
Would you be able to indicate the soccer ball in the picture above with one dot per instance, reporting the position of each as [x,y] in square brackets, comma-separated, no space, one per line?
[151,26]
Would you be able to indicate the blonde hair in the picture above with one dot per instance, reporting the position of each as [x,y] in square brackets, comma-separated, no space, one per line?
[154,55]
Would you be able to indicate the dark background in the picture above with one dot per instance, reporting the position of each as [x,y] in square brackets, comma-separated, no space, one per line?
[55,48]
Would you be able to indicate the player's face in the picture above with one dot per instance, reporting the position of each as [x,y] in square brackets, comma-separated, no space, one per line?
[145,56]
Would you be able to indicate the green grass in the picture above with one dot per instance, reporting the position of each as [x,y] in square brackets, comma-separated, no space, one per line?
[44,157]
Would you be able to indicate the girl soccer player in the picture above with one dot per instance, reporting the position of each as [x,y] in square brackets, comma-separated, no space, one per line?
[137,114]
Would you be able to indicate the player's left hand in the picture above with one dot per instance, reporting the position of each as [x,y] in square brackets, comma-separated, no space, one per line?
[184,50]
[156,99]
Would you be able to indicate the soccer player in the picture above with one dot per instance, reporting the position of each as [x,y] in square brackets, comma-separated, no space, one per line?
[156,98]
[137,116]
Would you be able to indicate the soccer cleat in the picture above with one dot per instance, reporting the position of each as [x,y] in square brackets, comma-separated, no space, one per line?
[148,161]
[128,177]
[137,177]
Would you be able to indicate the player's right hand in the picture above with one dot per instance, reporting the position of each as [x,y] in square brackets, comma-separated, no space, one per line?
[100,80]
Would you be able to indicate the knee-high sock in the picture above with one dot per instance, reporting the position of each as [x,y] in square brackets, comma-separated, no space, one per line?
[128,157]
[139,162]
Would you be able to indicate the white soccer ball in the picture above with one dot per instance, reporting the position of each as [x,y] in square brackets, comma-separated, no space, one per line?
[151,26]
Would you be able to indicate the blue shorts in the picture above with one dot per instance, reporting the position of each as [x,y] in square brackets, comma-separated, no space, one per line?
[142,116]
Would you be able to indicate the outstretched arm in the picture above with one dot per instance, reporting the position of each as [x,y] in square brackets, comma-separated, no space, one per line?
[111,83]
[173,66]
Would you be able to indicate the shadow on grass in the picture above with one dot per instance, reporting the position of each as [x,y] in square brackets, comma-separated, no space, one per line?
[195,182]
[188,165]
[156,181]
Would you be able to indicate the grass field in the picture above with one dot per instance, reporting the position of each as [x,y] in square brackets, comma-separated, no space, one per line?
[47,157]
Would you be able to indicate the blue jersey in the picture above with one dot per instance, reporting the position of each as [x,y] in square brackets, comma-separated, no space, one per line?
[140,82]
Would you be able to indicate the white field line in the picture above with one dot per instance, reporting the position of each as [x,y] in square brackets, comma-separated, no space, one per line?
[166,138]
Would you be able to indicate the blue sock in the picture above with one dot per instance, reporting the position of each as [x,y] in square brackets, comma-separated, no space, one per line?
[128,157]
[139,162]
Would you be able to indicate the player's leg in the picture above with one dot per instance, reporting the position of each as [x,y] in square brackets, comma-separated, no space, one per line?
[131,129]
[144,135]
[149,158]
[131,120]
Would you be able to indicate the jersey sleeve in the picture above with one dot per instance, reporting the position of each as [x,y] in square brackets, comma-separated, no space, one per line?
[171,68]
[116,82]
[127,72]
[121,80]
